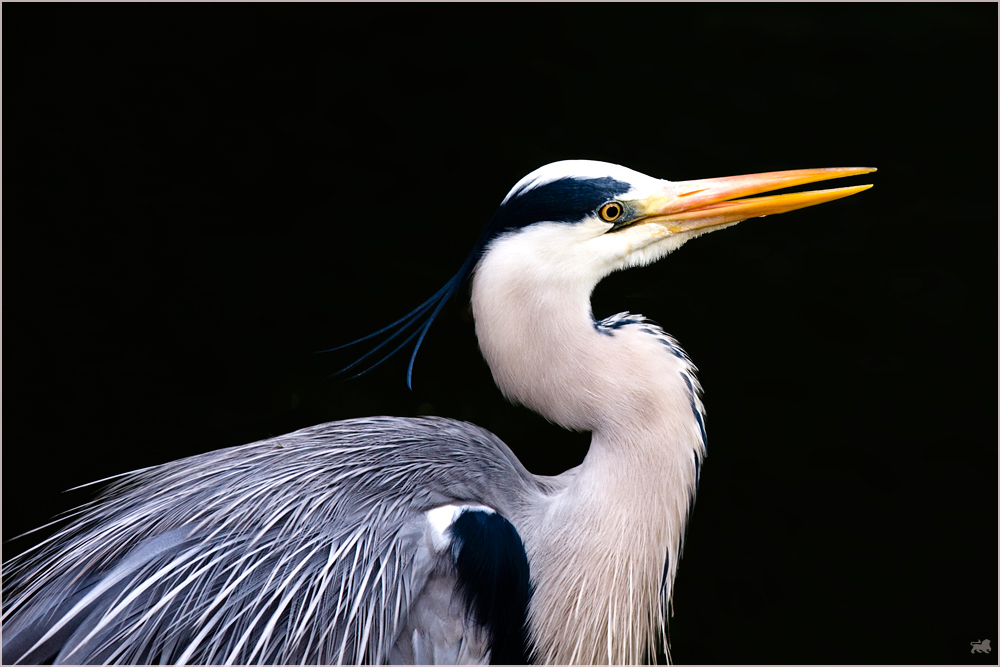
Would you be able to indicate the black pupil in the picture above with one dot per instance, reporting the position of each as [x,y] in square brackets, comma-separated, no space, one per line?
[611,211]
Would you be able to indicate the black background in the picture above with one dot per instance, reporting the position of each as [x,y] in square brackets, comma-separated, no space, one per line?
[197,198]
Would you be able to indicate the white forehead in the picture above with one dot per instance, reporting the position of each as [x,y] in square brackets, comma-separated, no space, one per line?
[642,185]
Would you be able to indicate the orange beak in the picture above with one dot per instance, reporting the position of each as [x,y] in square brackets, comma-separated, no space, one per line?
[687,205]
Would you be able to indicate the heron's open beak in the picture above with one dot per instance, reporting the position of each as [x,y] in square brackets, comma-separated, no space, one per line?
[687,205]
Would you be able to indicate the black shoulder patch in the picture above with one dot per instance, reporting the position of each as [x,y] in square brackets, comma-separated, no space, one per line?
[493,575]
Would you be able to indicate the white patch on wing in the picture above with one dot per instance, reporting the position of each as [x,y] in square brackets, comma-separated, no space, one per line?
[441,519]
[436,629]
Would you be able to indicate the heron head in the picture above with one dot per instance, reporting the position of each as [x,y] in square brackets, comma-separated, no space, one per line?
[588,218]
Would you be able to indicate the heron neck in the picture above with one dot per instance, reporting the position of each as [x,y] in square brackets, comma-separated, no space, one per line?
[538,335]
[605,542]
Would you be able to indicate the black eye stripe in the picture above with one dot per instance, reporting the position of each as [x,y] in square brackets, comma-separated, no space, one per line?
[564,200]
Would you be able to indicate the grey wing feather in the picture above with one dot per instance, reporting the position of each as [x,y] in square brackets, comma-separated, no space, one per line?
[302,548]
[438,630]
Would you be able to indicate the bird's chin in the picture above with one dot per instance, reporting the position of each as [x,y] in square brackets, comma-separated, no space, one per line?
[652,242]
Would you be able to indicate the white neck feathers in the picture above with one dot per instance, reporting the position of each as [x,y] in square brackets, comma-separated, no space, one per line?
[612,532]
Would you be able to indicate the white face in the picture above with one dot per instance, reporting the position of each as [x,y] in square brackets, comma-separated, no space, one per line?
[582,246]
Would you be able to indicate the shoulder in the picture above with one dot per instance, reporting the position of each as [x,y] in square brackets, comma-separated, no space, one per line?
[471,580]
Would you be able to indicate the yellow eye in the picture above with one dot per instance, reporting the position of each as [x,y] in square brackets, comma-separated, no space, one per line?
[611,211]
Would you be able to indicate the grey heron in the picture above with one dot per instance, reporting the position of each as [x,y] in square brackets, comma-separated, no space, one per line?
[425,540]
